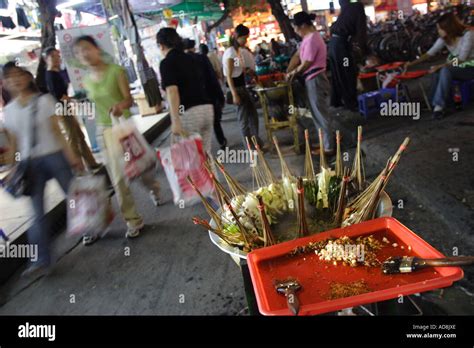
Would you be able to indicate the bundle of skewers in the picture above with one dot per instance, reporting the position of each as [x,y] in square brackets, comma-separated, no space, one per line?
[318,201]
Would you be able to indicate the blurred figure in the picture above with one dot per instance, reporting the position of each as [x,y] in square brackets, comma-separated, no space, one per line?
[107,86]
[212,88]
[350,27]
[276,48]
[312,67]
[459,40]
[34,133]
[214,59]
[234,70]
[183,80]
[57,86]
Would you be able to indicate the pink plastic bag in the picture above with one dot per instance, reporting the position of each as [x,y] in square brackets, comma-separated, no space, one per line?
[183,158]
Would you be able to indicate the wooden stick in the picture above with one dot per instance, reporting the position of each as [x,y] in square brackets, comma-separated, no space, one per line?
[268,238]
[309,167]
[303,226]
[322,161]
[339,165]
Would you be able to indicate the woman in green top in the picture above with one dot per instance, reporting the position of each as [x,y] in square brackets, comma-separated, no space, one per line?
[107,86]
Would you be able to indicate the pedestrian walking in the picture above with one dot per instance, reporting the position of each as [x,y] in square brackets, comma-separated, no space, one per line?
[182,79]
[34,134]
[234,65]
[212,89]
[312,67]
[107,86]
[57,86]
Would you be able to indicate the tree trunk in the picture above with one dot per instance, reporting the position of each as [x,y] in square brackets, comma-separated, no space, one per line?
[225,14]
[47,9]
[282,19]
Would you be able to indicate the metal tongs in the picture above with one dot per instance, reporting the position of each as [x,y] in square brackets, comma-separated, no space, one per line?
[289,288]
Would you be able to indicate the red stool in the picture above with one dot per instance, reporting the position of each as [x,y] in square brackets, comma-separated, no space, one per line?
[414,75]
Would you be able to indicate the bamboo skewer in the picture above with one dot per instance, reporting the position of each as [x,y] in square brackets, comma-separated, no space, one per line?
[393,163]
[309,167]
[268,238]
[285,170]
[235,188]
[210,210]
[374,199]
[339,166]
[242,229]
[220,191]
[322,156]
[302,224]
[265,168]
[207,226]
[358,172]
[342,201]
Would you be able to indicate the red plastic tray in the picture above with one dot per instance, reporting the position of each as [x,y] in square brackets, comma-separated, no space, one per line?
[315,276]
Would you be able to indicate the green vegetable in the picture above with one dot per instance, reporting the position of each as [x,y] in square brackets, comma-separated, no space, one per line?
[311,191]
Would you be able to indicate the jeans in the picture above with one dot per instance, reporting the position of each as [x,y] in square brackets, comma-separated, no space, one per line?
[44,168]
[317,89]
[442,82]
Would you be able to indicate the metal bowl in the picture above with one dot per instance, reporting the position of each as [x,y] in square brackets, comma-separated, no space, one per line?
[384,209]
[274,94]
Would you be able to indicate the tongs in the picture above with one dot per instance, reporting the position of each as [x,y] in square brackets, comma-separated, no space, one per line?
[405,264]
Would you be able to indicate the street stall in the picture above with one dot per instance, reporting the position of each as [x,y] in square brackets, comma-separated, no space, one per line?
[321,242]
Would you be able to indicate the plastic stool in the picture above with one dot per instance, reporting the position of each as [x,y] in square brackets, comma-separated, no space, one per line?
[369,103]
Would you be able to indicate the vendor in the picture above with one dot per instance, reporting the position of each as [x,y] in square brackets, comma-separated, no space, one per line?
[312,67]
[350,28]
[459,40]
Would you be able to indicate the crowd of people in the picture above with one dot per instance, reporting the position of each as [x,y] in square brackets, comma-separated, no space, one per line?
[197,86]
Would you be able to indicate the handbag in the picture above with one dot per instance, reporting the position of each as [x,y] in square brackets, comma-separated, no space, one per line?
[19,181]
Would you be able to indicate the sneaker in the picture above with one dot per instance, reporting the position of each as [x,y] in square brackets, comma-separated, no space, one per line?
[89,240]
[36,270]
[134,231]
[155,198]
[438,115]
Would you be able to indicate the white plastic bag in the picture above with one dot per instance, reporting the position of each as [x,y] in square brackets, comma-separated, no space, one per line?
[186,157]
[129,145]
[88,206]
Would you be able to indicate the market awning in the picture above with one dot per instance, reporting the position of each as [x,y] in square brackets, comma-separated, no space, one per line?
[147,6]
[192,8]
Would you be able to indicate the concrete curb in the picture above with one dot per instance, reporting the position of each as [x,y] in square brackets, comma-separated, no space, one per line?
[57,215]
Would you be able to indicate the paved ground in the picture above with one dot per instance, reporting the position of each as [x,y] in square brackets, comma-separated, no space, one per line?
[174,269]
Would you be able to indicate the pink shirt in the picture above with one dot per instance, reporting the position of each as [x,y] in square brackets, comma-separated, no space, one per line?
[313,49]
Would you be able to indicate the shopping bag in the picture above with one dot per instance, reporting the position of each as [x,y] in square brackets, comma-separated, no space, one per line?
[87,205]
[186,157]
[128,144]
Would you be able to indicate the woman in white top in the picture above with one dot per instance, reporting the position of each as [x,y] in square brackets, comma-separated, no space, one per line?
[459,40]
[34,133]
[234,65]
